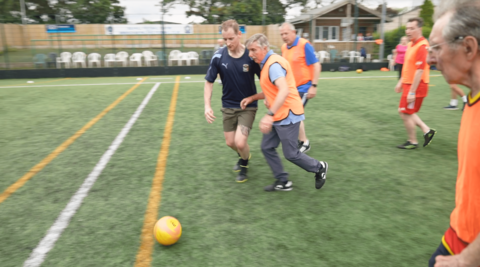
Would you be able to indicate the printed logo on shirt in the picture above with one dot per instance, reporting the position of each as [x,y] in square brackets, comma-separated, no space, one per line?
[246,67]
[225,65]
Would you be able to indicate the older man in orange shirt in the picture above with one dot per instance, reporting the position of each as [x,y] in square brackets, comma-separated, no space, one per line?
[455,49]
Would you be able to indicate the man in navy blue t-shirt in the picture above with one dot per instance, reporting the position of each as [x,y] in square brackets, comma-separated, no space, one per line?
[237,72]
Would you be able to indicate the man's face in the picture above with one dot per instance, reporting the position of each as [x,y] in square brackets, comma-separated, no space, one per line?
[231,39]
[220,42]
[413,32]
[288,35]
[450,61]
[256,52]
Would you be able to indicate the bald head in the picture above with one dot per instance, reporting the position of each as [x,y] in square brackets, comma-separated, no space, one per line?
[288,33]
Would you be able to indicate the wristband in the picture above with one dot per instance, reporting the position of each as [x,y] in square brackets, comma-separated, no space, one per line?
[411,93]
[270,113]
[314,85]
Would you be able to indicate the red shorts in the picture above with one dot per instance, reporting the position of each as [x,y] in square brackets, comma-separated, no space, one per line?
[411,108]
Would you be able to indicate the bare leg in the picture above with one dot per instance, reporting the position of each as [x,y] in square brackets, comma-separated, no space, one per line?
[410,124]
[420,123]
[301,134]
[456,91]
[230,140]
[241,137]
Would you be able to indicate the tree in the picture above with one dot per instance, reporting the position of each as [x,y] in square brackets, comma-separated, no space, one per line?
[64,11]
[427,13]
[245,12]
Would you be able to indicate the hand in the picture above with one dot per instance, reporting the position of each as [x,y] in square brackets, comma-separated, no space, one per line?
[398,88]
[244,103]
[265,102]
[209,114]
[451,261]
[410,98]
[266,124]
[312,91]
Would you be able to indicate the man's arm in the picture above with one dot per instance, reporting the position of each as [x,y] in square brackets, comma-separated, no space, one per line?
[282,86]
[469,257]
[207,96]
[250,99]
[312,91]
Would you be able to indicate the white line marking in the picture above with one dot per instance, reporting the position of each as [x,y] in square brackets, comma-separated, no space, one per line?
[93,84]
[159,78]
[46,244]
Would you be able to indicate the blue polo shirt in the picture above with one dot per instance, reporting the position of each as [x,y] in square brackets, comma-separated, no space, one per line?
[276,71]
[237,74]
[310,59]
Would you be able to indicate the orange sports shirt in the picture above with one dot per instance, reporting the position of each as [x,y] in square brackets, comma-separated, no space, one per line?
[465,218]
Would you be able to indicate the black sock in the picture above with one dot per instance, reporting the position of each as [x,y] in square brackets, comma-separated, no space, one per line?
[244,162]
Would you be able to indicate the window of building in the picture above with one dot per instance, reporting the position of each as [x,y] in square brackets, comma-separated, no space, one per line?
[329,33]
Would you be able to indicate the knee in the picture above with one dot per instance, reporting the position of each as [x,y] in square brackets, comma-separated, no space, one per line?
[230,143]
[240,145]
[266,149]
[291,155]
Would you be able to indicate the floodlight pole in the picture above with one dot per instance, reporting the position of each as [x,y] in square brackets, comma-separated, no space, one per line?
[164,49]
[355,27]
[22,8]
[264,12]
[382,35]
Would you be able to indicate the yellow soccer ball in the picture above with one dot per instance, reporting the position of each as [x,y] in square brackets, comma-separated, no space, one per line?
[359,71]
[167,230]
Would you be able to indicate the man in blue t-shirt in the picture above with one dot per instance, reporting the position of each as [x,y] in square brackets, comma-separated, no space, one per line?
[237,72]
[306,69]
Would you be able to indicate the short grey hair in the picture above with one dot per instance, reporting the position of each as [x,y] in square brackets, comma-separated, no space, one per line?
[465,21]
[260,38]
[448,5]
[289,25]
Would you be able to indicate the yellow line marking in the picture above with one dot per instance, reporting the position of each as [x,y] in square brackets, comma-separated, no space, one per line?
[144,254]
[37,168]
[25,83]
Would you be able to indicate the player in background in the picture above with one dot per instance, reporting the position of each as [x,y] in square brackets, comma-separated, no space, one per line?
[414,85]
[306,70]
[237,72]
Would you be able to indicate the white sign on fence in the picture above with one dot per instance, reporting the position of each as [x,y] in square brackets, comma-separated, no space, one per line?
[148,29]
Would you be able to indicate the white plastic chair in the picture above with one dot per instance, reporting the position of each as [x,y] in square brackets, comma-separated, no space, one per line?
[323,56]
[193,57]
[391,62]
[174,55]
[136,58]
[94,58]
[109,58]
[369,58]
[65,58]
[353,56]
[345,53]
[79,58]
[149,57]
[122,57]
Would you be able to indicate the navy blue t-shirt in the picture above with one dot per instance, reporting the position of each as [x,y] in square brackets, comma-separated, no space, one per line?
[238,77]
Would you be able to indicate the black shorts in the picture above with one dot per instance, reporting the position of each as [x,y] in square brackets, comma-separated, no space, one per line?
[441,250]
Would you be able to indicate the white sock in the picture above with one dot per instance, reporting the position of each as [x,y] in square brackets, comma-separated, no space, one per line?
[464,98]
[306,143]
[453,102]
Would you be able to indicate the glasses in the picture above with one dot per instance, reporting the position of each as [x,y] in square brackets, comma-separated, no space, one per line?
[435,48]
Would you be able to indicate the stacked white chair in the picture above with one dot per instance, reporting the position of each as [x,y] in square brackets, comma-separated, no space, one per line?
[94,58]
[136,58]
[79,58]
[391,63]
[65,58]
[352,56]
[323,56]
[149,57]
[193,57]
[122,57]
[109,58]
[174,56]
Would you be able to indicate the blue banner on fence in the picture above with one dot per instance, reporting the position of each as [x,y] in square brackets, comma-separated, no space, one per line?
[60,28]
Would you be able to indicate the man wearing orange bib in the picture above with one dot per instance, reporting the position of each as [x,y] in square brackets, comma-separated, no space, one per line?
[281,124]
[414,85]
[455,50]
[306,69]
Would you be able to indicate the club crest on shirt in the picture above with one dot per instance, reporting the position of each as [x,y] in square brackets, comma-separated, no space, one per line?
[246,67]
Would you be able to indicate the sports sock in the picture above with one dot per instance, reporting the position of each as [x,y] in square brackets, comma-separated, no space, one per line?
[453,102]
[306,143]
[464,98]
[244,162]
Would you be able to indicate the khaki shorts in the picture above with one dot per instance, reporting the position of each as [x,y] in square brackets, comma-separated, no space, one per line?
[232,117]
